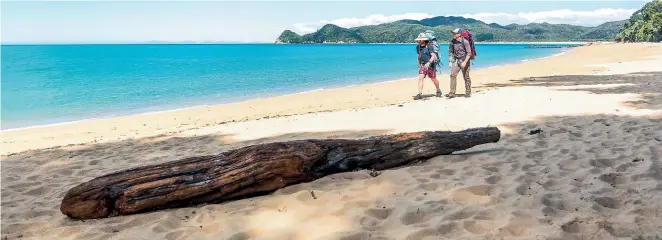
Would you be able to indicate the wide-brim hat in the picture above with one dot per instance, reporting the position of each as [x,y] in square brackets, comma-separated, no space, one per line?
[422,37]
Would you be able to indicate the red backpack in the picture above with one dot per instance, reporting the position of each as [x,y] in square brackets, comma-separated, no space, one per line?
[467,35]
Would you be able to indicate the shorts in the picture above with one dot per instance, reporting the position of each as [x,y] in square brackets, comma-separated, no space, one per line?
[430,72]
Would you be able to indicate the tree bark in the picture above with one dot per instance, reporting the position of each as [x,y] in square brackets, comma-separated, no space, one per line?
[255,170]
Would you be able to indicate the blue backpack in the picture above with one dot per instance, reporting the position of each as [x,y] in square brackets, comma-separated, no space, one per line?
[435,46]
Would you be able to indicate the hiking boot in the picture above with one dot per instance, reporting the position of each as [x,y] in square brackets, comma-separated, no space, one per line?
[467,95]
[438,93]
[418,97]
[450,95]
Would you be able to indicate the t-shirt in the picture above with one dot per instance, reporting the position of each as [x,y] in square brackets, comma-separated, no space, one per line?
[426,53]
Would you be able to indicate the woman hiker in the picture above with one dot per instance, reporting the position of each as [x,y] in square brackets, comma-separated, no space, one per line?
[426,66]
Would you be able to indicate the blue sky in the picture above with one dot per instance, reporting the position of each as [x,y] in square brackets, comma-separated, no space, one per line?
[263,21]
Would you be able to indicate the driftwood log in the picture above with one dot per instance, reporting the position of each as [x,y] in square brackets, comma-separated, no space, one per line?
[254,170]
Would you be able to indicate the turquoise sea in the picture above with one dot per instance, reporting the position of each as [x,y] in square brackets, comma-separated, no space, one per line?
[46,84]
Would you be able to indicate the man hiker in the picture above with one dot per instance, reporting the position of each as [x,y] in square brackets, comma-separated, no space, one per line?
[426,64]
[459,54]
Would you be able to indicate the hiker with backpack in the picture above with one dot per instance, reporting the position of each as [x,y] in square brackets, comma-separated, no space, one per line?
[461,51]
[427,61]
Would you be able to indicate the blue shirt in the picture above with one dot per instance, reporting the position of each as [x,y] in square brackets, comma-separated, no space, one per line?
[425,52]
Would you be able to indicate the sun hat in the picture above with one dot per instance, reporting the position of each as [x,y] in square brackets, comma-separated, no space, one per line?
[456,31]
[422,37]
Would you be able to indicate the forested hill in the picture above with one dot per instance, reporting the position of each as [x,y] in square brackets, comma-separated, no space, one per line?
[645,25]
[405,31]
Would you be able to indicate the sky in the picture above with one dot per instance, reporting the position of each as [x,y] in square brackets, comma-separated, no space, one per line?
[33,22]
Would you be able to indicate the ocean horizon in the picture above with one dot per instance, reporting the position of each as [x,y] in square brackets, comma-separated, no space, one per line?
[53,84]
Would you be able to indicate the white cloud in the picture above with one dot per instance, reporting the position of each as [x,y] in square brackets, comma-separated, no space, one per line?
[303,28]
[566,16]
[563,16]
[357,22]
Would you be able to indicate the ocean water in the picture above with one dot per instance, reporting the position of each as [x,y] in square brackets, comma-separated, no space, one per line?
[46,84]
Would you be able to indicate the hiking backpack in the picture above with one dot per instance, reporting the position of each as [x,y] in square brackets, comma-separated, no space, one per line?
[435,46]
[467,35]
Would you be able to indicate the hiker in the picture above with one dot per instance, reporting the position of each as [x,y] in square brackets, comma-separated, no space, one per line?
[426,64]
[459,59]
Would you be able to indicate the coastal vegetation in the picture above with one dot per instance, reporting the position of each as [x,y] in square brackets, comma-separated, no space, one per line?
[404,31]
[645,25]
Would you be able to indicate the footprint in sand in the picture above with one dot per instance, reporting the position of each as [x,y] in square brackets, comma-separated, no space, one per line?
[493,179]
[573,226]
[514,167]
[33,178]
[608,202]
[368,223]
[436,205]
[551,184]
[40,191]
[491,169]
[240,236]
[520,140]
[550,211]
[429,186]
[529,167]
[516,229]
[549,201]
[64,172]
[356,236]
[435,176]
[306,195]
[602,163]
[620,229]
[460,215]
[426,233]
[446,172]
[422,180]
[379,213]
[39,213]
[474,195]
[523,189]
[488,214]
[612,179]
[479,227]
[414,216]
[434,233]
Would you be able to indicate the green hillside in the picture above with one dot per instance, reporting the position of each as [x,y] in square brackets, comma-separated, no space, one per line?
[405,31]
[645,25]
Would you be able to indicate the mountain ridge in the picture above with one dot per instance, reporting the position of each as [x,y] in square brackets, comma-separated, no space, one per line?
[406,30]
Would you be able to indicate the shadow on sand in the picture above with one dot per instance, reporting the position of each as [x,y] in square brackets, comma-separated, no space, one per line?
[646,84]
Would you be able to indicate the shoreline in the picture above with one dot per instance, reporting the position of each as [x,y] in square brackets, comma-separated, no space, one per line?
[228,101]
[208,104]
[379,94]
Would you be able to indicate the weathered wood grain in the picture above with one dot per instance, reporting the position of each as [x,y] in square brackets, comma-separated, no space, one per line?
[255,170]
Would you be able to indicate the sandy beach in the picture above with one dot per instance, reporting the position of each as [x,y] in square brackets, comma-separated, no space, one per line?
[594,172]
